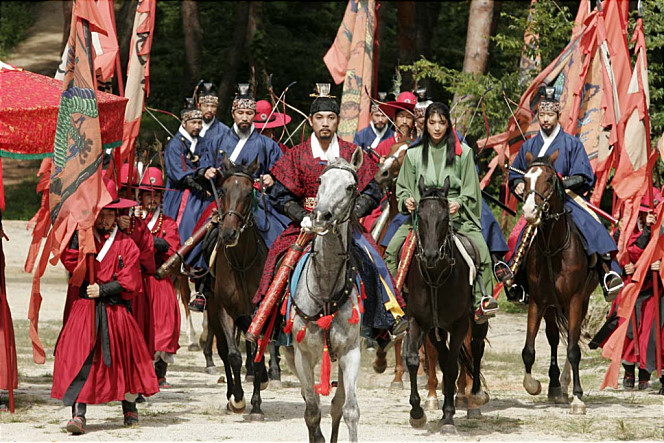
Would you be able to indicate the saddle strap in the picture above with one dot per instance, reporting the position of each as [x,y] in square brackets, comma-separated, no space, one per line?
[461,246]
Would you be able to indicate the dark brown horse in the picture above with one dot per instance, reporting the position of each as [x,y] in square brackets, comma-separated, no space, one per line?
[559,277]
[440,303]
[238,267]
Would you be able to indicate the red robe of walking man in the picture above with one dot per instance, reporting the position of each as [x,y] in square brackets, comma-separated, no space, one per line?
[100,355]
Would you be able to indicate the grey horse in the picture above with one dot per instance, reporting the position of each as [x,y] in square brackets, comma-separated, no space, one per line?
[323,290]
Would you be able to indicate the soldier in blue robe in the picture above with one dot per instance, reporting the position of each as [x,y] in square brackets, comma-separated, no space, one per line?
[208,102]
[185,193]
[377,131]
[573,164]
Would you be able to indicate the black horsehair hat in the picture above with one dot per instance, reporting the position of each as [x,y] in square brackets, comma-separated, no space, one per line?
[324,102]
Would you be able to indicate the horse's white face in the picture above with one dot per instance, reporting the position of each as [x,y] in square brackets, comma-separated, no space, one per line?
[531,209]
[334,199]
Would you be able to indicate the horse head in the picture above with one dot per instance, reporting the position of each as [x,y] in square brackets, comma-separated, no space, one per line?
[543,189]
[336,194]
[236,195]
[388,171]
[433,218]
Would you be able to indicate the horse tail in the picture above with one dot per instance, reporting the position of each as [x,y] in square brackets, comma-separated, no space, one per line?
[466,360]
[563,323]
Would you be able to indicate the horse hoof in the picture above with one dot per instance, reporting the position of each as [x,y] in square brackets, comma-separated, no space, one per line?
[474,413]
[221,379]
[264,385]
[533,386]
[255,417]
[460,402]
[211,370]
[418,422]
[396,385]
[194,347]
[431,404]
[249,378]
[276,384]
[556,396]
[577,407]
[236,407]
[481,398]
[447,426]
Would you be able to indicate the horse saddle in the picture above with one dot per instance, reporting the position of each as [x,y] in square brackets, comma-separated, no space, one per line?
[469,252]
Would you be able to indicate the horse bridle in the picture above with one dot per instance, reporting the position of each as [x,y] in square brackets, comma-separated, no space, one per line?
[246,219]
[545,206]
[445,250]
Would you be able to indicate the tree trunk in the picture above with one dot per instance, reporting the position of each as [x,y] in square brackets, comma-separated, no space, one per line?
[426,17]
[406,38]
[254,23]
[235,54]
[478,37]
[193,36]
[67,7]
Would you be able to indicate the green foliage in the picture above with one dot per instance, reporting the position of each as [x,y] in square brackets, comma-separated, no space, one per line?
[22,202]
[15,19]
[653,28]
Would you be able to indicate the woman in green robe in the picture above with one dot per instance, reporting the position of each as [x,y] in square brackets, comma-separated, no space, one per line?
[440,154]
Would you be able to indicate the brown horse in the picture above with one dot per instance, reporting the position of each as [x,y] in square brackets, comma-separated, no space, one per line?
[238,267]
[440,305]
[559,277]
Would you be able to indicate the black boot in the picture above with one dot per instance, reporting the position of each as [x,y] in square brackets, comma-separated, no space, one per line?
[629,377]
[77,423]
[661,388]
[644,379]
[130,413]
[160,368]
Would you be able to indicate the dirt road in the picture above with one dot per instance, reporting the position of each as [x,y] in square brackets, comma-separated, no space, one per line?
[194,409]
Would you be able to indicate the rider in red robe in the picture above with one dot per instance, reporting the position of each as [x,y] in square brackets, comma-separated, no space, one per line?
[295,187]
[100,355]
[160,292]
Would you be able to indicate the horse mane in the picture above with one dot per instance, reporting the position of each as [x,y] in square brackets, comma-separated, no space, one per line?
[433,192]
[235,169]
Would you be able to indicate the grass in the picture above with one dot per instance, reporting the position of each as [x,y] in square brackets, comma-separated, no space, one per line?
[22,200]
[15,19]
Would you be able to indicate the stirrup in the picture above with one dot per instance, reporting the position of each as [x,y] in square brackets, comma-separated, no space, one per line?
[489,311]
[521,297]
[502,272]
[399,329]
[612,291]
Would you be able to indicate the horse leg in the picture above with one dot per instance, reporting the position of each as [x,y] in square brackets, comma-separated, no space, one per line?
[336,408]
[461,398]
[260,373]
[450,366]
[422,369]
[236,400]
[576,314]
[555,393]
[304,365]
[533,386]
[185,297]
[207,341]
[412,343]
[248,365]
[380,362]
[478,396]
[349,365]
[275,370]
[432,379]
[397,382]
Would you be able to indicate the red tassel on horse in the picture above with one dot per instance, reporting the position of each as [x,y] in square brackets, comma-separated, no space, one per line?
[284,305]
[289,326]
[325,322]
[355,318]
[324,387]
[300,334]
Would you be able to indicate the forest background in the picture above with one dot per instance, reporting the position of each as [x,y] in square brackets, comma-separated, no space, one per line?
[421,44]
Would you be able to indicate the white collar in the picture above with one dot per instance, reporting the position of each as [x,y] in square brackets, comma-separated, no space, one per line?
[107,244]
[548,139]
[192,140]
[376,131]
[243,135]
[153,220]
[332,151]
[207,126]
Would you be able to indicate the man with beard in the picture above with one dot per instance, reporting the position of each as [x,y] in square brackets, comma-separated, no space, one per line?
[105,359]
[207,103]
[378,130]
[296,185]
[401,113]
[573,165]
[242,144]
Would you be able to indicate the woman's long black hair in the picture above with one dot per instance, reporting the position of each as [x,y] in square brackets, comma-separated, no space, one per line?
[442,110]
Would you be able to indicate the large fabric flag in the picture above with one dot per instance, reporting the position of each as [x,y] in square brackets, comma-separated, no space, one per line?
[633,173]
[350,60]
[105,43]
[138,75]
[76,193]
